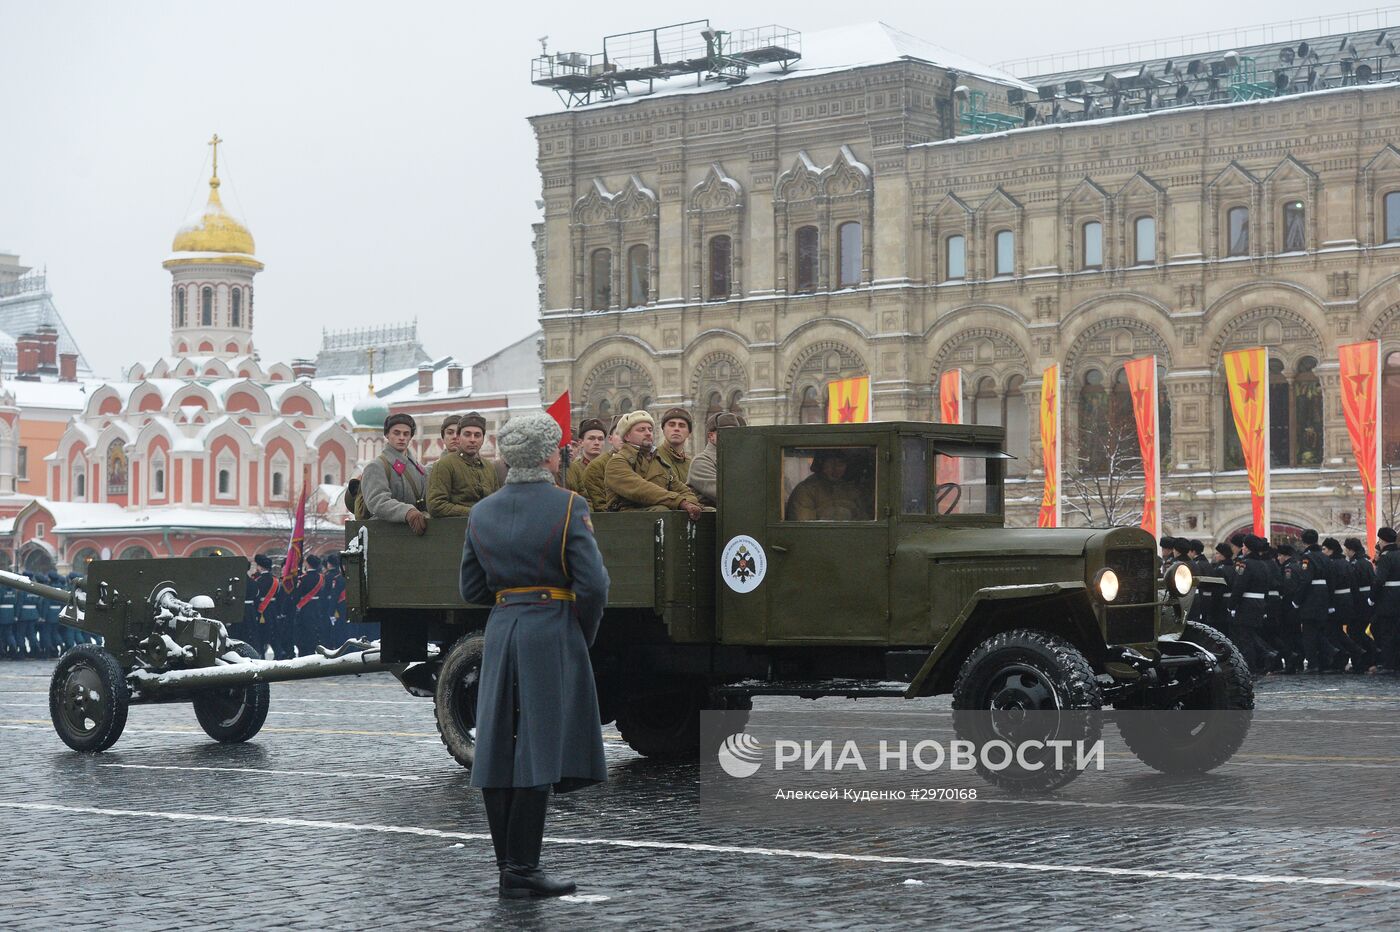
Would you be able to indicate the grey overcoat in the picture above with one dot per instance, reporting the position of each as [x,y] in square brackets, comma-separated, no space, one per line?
[535,534]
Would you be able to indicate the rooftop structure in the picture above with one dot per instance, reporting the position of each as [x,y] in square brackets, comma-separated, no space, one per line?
[26,304]
[348,352]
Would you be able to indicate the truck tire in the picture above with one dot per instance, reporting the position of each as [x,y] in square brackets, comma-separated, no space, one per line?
[88,698]
[1192,743]
[666,726]
[454,699]
[235,714]
[1027,671]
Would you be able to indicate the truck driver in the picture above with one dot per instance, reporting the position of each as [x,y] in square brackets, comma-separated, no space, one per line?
[830,493]
[637,480]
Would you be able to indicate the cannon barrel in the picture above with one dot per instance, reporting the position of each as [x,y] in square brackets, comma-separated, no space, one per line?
[15,581]
[245,672]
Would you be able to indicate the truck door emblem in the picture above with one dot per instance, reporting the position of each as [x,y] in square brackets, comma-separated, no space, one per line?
[743,564]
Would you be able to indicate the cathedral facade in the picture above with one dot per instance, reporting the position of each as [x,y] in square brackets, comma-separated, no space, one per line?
[739,247]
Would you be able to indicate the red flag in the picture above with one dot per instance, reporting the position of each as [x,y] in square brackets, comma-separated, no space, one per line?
[561,413]
[1247,377]
[950,396]
[1142,384]
[1361,404]
[1050,504]
[291,566]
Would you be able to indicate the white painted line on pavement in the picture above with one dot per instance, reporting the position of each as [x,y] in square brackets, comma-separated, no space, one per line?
[290,773]
[1134,872]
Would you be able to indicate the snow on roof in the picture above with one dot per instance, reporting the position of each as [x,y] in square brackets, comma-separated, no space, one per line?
[840,49]
[71,396]
[75,517]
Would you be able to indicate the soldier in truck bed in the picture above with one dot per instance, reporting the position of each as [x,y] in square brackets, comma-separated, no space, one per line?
[595,486]
[638,480]
[461,478]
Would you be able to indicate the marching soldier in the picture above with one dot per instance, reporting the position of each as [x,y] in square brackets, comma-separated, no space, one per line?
[1364,578]
[637,479]
[1385,596]
[335,601]
[462,478]
[393,485]
[530,551]
[9,628]
[1290,637]
[676,428]
[1273,604]
[1217,596]
[1249,592]
[308,606]
[28,632]
[1343,608]
[265,605]
[1314,603]
[591,437]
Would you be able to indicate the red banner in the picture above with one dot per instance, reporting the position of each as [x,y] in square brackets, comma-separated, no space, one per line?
[291,566]
[1142,385]
[1361,403]
[559,410]
[1247,377]
[848,400]
[950,396]
[1050,446]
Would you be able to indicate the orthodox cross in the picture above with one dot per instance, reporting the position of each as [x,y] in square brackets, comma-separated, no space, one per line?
[371,369]
[215,143]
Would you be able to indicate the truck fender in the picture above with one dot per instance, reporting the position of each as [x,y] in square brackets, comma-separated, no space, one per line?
[1069,600]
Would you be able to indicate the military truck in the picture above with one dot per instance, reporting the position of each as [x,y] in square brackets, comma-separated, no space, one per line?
[856,560]
[849,560]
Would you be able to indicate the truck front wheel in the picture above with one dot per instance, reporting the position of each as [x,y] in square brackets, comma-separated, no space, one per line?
[1026,686]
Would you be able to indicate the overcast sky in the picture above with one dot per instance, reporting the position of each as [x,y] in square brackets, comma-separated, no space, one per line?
[378,151]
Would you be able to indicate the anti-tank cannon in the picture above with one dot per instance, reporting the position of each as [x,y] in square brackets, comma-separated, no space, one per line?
[164,627]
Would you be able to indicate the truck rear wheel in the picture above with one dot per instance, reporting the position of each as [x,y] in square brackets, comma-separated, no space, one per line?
[454,700]
[236,714]
[1187,742]
[666,726]
[88,698]
[1022,686]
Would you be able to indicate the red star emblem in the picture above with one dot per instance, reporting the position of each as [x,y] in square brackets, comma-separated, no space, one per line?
[847,412]
[1359,383]
[1249,388]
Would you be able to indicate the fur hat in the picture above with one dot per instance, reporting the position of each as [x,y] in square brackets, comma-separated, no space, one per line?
[401,418]
[721,419]
[1287,550]
[449,421]
[1309,537]
[313,562]
[592,423]
[631,420]
[1332,545]
[681,414]
[1386,534]
[263,561]
[1354,545]
[472,419]
[1195,545]
[333,559]
[1224,550]
[527,440]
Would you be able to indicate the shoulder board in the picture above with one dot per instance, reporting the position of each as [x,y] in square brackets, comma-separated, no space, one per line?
[1306,562]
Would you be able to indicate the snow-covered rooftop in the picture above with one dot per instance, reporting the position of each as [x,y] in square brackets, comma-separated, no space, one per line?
[830,50]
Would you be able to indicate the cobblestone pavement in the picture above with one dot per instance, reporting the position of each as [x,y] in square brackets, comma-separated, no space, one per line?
[346,813]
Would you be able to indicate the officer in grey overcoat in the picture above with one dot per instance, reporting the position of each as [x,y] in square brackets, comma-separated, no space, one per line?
[530,552]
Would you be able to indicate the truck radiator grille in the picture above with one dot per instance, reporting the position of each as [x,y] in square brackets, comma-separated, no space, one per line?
[1137,574]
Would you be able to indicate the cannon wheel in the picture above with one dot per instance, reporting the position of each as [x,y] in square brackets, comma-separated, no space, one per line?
[454,699]
[88,698]
[236,714]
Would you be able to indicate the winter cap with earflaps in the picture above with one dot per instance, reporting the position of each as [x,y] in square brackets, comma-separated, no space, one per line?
[631,420]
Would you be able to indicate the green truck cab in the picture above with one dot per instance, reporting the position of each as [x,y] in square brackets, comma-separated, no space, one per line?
[844,560]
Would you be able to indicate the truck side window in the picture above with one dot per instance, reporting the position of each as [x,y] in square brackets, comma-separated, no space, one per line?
[936,482]
[829,483]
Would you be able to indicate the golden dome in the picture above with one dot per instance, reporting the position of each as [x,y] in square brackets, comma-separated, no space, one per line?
[216,231]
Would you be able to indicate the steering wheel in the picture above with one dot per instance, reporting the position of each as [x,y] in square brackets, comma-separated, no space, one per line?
[942,491]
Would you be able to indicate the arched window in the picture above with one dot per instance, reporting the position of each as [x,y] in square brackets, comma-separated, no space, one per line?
[135,552]
[206,307]
[1390,408]
[1237,222]
[279,485]
[605,410]
[1392,217]
[955,258]
[158,478]
[714,404]
[736,401]
[80,483]
[1145,240]
[600,288]
[1295,236]
[1016,417]
[180,307]
[1006,253]
[224,482]
[808,258]
[985,407]
[848,254]
[813,411]
[1091,245]
[1280,409]
[624,404]
[638,275]
[1093,423]
[236,315]
[1306,449]
[720,258]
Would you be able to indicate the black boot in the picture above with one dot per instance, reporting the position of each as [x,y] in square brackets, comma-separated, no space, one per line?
[497,803]
[524,838]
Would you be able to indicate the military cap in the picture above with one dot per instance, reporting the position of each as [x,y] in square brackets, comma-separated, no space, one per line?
[333,559]
[528,440]
[473,419]
[1354,545]
[1288,550]
[1195,546]
[313,561]
[592,423]
[1237,540]
[682,414]
[722,419]
[631,420]
[1309,537]
[263,560]
[1256,544]
[1224,550]
[616,420]
[401,418]
[449,421]
[1386,535]
[1331,544]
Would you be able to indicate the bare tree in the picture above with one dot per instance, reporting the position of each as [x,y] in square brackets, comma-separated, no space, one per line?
[1106,488]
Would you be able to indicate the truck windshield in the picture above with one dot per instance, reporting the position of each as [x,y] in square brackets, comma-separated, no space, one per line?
[829,483]
[949,479]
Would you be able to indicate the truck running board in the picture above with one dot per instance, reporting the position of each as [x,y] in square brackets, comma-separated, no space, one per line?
[813,689]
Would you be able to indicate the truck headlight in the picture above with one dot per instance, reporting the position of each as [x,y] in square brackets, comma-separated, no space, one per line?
[1106,584]
[1182,579]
